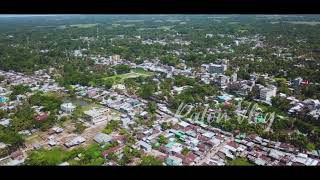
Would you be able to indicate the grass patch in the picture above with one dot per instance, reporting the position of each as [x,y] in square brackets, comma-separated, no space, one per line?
[33,139]
[133,74]
[239,162]
[46,157]
[90,106]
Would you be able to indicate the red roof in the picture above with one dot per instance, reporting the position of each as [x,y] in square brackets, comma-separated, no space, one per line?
[221,155]
[252,136]
[187,129]
[42,117]
[227,104]
[202,147]
[16,154]
[209,143]
[120,138]
[203,138]
[163,149]
[305,82]
[162,157]
[219,137]
[179,155]
[111,150]
[266,158]
[233,144]
[194,127]
[155,131]
[190,156]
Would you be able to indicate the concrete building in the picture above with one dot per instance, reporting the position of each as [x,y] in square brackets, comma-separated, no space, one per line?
[173,161]
[267,93]
[75,141]
[234,77]
[102,138]
[96,115]
[222,80]
[115,57]
[67,107]
[145,146]
[217,68]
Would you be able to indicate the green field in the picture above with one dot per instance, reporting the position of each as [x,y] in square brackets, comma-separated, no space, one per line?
[240,162]
[90,106]
[133,74]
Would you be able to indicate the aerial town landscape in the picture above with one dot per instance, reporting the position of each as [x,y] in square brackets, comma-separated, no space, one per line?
[160,90]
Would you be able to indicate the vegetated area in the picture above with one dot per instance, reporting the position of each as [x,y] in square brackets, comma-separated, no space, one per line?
[161,61]
[132,74]
[240,162]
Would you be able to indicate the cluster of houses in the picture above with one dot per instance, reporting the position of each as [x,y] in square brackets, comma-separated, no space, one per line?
[312,106]
[16,78]
[262,151]
[111,60]
[213,147]
[186,142]
[168,70]
[128,106]
[89,92]
[163,42]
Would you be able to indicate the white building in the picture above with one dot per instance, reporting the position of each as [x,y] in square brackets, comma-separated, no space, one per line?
[5,122]
[96,115]
[209,35]
[67,107]
[118,86]
[222,80]
[268,92]
[234,77]
[115,57]
[2,145]
[75,141]
[145,146]
[102,138]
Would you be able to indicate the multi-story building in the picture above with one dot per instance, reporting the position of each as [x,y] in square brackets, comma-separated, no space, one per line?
[234,77]
[115,57]
[96,115]
[267,93]
[217,68]
[67,107]
[222,80]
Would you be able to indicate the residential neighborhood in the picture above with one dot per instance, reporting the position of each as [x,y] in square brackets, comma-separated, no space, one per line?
[194,102]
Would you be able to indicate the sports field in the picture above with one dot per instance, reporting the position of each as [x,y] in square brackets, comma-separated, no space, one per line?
[133,74]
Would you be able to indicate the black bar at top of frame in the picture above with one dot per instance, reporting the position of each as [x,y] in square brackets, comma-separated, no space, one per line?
[159,6]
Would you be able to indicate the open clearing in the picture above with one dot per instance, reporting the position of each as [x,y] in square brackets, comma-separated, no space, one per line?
[133,74]
[240,162]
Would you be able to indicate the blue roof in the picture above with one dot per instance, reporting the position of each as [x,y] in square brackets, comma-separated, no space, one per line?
[170,144]
[222,97]
[3,99]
